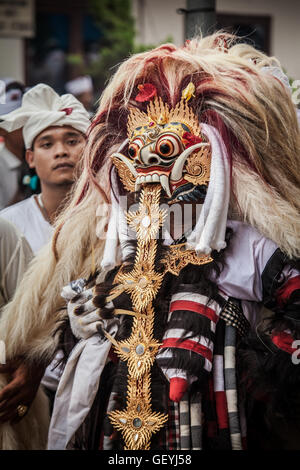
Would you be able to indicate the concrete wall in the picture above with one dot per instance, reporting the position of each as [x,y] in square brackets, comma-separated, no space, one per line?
[12,58]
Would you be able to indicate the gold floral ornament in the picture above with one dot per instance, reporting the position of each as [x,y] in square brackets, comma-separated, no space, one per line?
[178,258]
[147,220]
[143,282]
[138,422]
[125,175]
[139,350]
[197,169]
[137,427]
[189,92]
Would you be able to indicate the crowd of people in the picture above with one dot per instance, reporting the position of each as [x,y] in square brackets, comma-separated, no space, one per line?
[158,340]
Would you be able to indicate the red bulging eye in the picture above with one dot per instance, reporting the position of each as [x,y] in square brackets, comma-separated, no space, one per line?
[133,150]
[168,146]
[165,148]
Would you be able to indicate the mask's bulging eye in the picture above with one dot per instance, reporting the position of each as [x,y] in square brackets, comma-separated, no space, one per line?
[134,148]
[168,146]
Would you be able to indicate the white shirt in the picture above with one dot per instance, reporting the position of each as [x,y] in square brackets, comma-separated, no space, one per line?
[15,255]
[9,174]
[27,216]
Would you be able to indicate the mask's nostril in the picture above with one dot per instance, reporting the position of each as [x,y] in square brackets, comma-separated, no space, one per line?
[152,160]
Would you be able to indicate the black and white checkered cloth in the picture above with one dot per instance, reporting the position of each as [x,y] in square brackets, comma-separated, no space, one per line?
[233,315]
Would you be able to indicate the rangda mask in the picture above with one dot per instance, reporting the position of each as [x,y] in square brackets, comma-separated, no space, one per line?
[166,146]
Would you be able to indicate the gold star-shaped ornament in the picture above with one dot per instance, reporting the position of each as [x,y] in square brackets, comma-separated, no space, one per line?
[137,427]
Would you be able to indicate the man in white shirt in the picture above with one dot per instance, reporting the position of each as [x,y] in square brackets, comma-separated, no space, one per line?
[54,130]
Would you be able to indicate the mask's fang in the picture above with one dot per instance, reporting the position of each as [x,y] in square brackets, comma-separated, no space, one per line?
[176,173]
[164,181]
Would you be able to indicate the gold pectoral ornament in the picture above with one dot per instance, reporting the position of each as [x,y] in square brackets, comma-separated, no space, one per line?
[138,422]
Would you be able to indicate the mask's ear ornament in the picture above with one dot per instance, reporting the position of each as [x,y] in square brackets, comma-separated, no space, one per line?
[165,146]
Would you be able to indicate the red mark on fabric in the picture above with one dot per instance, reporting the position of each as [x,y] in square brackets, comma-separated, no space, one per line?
[67,110]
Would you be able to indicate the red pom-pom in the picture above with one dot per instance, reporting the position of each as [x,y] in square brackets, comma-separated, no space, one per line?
[190,139]
[146,93]
[178,387]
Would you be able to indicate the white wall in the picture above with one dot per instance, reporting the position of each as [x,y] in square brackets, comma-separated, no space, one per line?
[285,27]
[12,58]
[157,19]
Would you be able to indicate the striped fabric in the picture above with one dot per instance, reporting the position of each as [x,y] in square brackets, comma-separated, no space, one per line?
[193,302]
[218,405]
[289,289]
[198,344]
[206,314]
[170,435]
[208,414]
[196,421]
[230,387]
[185,427]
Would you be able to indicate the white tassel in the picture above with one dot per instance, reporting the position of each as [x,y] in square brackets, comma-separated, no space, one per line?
[111,249]
[209,233]
[109,259]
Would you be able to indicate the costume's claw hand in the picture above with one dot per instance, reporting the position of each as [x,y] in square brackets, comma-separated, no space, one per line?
[84,315]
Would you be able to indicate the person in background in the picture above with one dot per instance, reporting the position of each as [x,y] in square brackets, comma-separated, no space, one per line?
[54,131]
[11,143]
[15,255]
[82,88]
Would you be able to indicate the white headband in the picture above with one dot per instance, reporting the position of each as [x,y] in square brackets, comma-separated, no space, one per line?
[41,108]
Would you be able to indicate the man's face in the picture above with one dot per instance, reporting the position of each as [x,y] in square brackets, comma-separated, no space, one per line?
[56,151]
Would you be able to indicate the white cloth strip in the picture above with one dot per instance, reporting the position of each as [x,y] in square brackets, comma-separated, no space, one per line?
[196,421]
[218,373]
[209,232]
[164,354]
[77,389]
[112,238]
[229,357]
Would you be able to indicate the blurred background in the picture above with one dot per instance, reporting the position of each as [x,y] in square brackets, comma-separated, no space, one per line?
[57,41]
